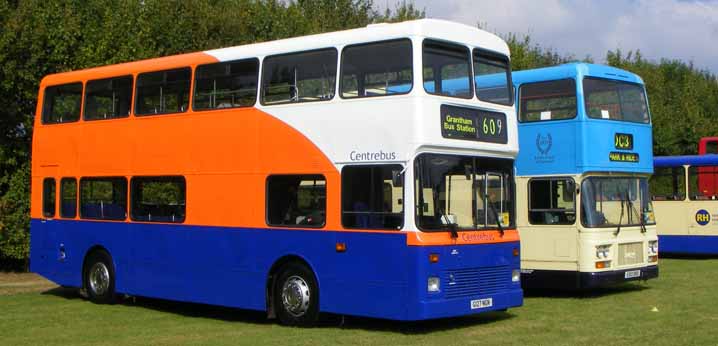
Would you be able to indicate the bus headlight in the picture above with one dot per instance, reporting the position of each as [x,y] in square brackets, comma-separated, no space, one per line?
[433,284]
[603,251]
[516,275]
[653,247]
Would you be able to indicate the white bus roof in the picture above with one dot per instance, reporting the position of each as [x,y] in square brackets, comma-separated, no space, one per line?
[433,28]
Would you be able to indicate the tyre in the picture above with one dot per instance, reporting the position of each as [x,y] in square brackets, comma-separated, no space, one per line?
[99,278]
[296,296]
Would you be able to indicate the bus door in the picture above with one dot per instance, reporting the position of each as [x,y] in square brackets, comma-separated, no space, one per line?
[553,229]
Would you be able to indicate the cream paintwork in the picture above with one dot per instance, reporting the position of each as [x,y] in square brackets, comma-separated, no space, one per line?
[572,247]
[679,217]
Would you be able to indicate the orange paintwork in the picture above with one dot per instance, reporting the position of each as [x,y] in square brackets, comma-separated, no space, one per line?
[464,238]
[224,155]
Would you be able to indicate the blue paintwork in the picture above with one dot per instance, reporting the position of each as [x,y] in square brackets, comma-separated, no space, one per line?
[581,144]
[691,160]
[688,244]
[379,275]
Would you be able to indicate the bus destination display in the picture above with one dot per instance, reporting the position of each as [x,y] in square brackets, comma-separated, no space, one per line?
[473,124]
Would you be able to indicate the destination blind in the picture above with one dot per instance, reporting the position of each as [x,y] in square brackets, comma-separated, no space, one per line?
[473,124]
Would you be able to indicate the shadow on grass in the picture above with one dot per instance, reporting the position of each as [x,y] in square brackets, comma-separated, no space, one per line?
[260,317]
[586,293]
[419,327]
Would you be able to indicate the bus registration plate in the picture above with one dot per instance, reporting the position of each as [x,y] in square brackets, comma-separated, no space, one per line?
[632,274]
[481,303]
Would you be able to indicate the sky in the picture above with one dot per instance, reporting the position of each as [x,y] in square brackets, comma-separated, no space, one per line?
[673,29]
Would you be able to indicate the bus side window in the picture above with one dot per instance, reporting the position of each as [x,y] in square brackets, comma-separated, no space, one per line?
[668,184]
[158,199]
[296,200]
[299,77]
[103,198]
[226,85]
[68,198]
[552,201]
[61,103]
[162,92]
[376,69]
[370,198]
[48,197]
[108,98]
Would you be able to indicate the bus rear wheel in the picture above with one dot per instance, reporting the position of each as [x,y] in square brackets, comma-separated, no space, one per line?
[296,296]
[99,278]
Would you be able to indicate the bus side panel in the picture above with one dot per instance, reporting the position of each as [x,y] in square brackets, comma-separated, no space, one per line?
[467,273]
[688,244]
[67,244]
[219,265]
[370,278]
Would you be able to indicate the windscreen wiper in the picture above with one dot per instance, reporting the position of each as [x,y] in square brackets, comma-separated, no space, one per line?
[452,225]
[640,216]
[496,216]
[620,218]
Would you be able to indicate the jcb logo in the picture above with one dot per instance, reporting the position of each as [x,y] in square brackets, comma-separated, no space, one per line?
[623,141]
[703,217]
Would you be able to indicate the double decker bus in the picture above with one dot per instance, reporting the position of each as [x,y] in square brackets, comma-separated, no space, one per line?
[583,209]
[683,189]
[339,173]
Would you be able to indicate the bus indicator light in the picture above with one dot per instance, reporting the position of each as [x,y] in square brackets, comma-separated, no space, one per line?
[434,258]
[341,247]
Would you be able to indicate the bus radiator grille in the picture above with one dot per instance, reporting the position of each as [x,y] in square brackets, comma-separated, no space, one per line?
[475,281]
[630,253]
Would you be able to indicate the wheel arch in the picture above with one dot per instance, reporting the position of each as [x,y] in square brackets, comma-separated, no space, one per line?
[274,271]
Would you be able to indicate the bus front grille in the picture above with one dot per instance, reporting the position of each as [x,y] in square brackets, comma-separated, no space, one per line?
[631,253]
[475,281]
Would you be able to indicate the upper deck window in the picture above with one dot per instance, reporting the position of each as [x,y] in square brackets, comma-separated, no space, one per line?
[551,100]
[62,103]
[226,85]
[615,100]
[108,98]
[163,92]
[492,78]
[376,69]
[299,77]
[447,69]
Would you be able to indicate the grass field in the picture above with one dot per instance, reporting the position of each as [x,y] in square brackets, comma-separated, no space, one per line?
[685,296]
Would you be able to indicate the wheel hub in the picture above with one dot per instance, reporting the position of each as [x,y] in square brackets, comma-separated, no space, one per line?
[99,279]
[295,296]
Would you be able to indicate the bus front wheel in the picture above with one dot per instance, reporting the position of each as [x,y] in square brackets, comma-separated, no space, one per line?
[99,278]
[296,296]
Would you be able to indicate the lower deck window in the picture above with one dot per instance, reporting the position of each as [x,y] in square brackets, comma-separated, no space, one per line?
[48,197]
[296,200]
[552,201]
[158,199]
[372,197]
[103,198]
[68,198]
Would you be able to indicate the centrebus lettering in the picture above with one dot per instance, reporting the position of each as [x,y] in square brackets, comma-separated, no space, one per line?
[372,156]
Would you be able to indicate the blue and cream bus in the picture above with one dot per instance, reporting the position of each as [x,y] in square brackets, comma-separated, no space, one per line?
[583,210]
[683,189]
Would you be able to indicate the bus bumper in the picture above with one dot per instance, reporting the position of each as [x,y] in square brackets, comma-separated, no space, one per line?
[442,308]
[615,277]
[572,280]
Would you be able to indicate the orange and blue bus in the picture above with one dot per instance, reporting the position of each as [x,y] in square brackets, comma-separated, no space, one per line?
[683,189]
[364,172]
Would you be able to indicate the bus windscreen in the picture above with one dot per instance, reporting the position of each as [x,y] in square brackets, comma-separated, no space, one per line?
[615,100]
